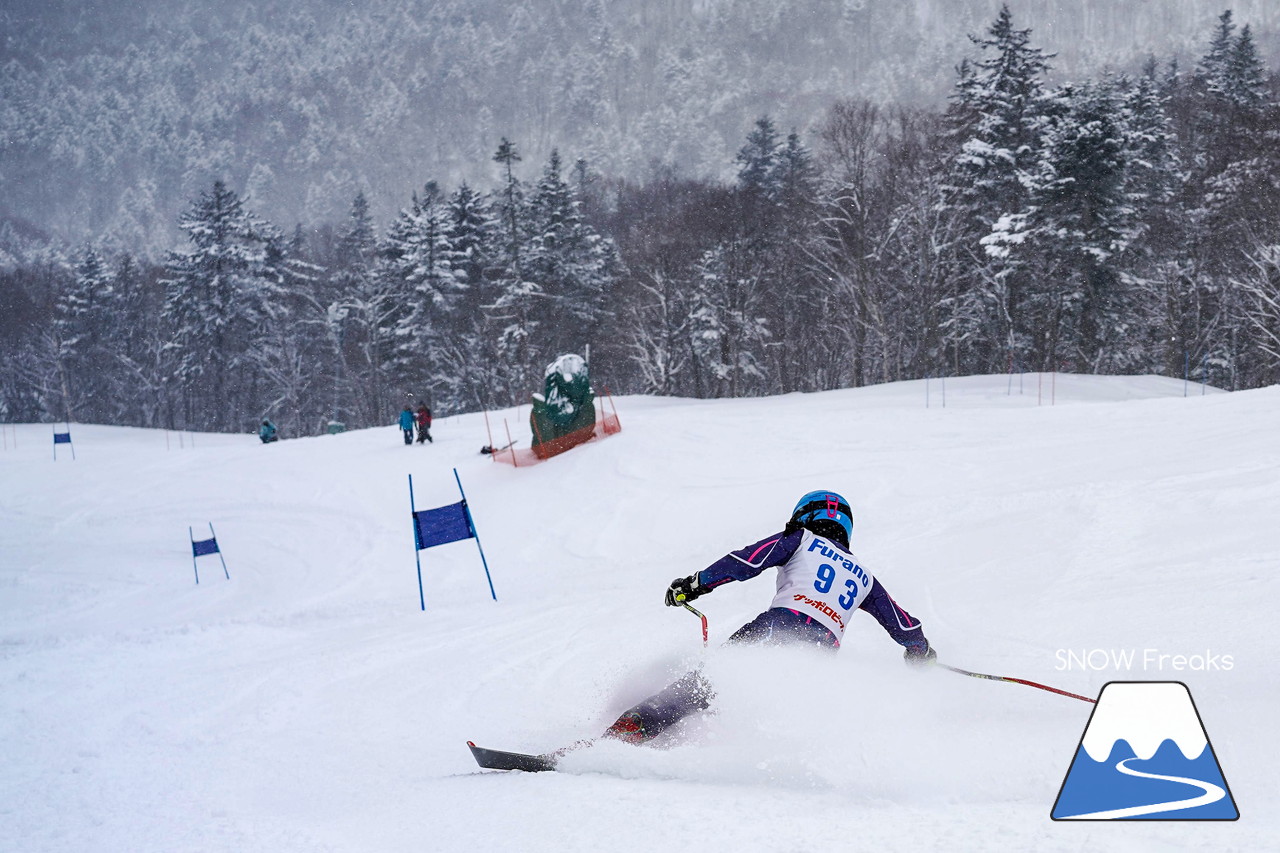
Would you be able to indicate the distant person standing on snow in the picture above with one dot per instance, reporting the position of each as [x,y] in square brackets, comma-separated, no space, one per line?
[820,584]
[267,432]
[424,423]
[406,424]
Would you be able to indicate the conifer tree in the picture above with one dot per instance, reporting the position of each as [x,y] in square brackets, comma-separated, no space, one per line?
[137,345]
[996,112]
[80,319]
[471,232]
[393,346]
[1078,225]
[572,266]
[516,308]
[758,166]
[794,292]
[466,363]
[217,298]
[352,312]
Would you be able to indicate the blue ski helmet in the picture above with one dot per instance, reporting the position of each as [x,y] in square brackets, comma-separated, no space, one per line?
[826,514]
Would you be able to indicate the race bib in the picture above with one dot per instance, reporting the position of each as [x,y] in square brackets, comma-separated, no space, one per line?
[824,581]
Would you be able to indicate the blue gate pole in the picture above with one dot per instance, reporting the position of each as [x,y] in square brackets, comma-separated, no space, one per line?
[417,545]
[220,557]
[471,523]
[192,537]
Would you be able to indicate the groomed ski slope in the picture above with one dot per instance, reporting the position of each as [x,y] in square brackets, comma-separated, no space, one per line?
[308,704]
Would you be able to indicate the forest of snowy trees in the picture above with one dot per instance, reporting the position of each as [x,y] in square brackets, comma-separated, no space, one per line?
[1129,223]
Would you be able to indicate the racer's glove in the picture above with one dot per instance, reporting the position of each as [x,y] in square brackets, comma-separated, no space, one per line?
[684,589]
[920,655]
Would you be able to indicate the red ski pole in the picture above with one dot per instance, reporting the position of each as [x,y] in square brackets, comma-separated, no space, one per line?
[690,608]
[1019,681]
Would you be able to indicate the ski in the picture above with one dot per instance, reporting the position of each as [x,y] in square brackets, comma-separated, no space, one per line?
[496,759]
[493,759]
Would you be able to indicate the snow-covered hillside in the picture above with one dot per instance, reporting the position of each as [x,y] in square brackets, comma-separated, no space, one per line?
[308,704]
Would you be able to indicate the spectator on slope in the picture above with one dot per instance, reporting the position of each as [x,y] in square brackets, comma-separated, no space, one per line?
[820,584]
[406,424]
[267,432]
[424,423]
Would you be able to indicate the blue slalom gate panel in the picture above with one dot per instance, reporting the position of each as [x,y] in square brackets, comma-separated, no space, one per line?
[62,438]
[204,546]
[442,525]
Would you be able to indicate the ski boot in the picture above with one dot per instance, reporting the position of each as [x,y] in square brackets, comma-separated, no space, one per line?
[629,728]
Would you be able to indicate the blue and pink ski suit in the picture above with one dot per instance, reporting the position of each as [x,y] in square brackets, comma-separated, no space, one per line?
[819,583]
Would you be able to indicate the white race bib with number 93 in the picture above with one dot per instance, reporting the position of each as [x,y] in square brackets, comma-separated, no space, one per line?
[824,581]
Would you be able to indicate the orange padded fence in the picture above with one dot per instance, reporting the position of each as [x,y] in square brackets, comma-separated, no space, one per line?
[607,424]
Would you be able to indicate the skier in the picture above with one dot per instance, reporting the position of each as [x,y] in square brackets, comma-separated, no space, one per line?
[267,432]
[424,423]
[820,584]
[406,424]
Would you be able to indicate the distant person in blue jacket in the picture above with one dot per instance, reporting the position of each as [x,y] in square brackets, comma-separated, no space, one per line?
[267,432]
[406,424]
[820,584]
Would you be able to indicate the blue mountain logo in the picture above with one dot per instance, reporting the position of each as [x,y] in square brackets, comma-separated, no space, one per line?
[1145,755]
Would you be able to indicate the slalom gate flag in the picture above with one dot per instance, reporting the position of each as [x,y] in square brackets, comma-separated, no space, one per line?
[62,438]
[440,526]
[204,547]
[1145,755]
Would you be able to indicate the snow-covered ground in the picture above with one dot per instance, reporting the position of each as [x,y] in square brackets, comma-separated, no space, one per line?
[308,704]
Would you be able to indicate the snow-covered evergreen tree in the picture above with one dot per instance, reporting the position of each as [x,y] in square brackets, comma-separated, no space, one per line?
[758,160]
[137,346]
[465,366]
[572,266]
[1214,68]
[997,115]
[795,286]
[393,345]
[516,309]
[1233,189]
[81,318]
[217,301]
[1153,173]
[1079,223]
[471,232]
[354,306]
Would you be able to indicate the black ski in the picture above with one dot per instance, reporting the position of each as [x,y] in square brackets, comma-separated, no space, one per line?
[492,759]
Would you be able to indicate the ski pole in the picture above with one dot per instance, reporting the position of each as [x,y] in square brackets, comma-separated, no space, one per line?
[687,606]
[1019,681]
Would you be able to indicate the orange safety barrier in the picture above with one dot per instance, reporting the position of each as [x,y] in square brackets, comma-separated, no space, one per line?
[606,424]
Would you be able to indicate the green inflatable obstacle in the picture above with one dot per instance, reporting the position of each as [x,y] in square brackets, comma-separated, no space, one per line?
[564,415]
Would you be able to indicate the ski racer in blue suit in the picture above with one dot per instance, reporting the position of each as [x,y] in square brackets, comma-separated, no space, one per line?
[820,584]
